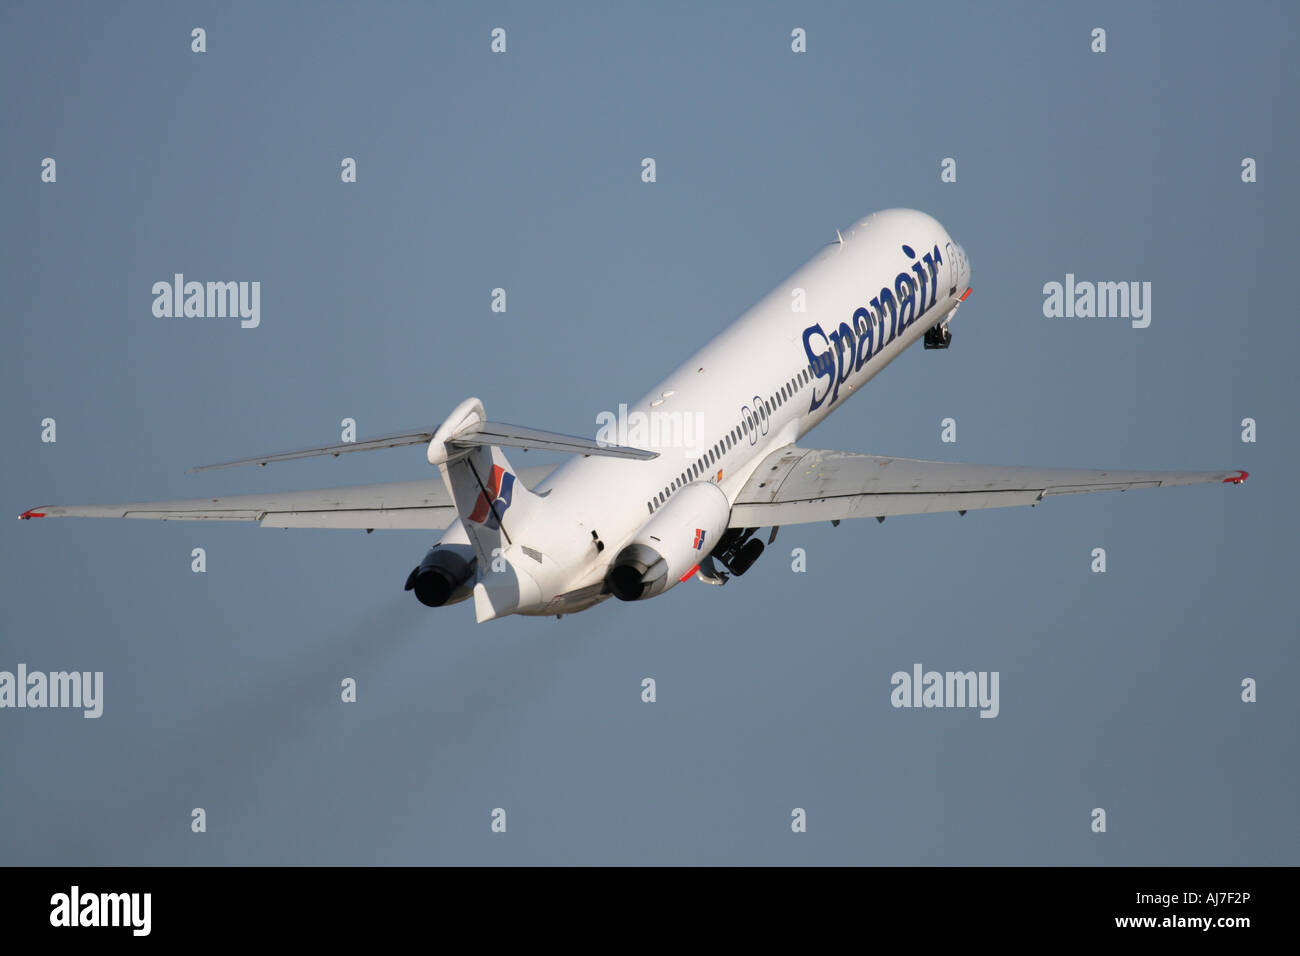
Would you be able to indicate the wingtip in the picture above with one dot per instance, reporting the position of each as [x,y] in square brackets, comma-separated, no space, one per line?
[1240,477]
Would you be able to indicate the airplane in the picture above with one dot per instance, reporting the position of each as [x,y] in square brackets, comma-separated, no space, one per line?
[701,463]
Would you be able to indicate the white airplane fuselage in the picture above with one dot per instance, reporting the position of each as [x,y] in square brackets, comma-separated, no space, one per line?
[759,384]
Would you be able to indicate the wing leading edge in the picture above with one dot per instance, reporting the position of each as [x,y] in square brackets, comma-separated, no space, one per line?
[798,485]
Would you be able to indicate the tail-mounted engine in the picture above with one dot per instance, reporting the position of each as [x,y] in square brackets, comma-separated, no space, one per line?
[445,576]
[670,547]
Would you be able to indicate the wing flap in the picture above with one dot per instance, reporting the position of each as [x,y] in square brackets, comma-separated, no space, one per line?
[388,519]
[871,506]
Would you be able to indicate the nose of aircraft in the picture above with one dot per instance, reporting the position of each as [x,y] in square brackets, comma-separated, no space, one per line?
[963,268]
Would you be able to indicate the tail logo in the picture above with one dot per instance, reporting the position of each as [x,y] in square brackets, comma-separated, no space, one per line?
[699,539]
[493,502]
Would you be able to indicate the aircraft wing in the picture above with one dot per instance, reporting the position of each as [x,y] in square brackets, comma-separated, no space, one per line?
[799,485]
[421,504]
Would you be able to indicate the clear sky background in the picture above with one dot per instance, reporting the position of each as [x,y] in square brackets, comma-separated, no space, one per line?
[1118,690]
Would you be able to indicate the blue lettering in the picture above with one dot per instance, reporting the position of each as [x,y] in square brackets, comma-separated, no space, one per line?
[886,298]
[821,363]
[904,286]
[857,343]
[865,323]
[934,260]
[922,300]
[842,345]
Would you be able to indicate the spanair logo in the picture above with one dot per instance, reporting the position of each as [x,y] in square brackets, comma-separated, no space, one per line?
[874,325]
[699,539]
[493,502]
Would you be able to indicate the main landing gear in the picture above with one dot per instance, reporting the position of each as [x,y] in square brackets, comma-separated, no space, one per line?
[938,337]
[737,551]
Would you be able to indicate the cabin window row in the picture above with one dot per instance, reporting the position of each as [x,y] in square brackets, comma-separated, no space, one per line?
[730,440]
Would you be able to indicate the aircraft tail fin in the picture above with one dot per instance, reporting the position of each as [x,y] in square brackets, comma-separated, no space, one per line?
[491,500]
[493,504]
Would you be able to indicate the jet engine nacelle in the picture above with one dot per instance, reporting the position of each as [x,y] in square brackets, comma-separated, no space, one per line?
[680,535]
[445,576]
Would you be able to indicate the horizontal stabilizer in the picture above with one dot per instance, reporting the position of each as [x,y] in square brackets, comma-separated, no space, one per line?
[516,436]
[484,433]
[395,440]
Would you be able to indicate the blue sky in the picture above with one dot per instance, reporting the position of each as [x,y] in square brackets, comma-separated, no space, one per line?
[1118,690]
